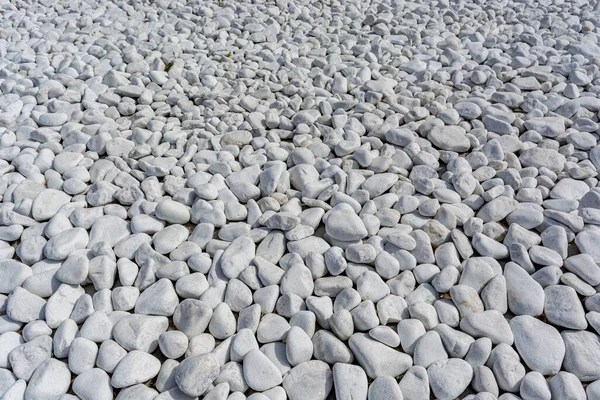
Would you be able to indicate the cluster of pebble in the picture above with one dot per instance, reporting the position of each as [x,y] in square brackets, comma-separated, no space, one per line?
[299,199]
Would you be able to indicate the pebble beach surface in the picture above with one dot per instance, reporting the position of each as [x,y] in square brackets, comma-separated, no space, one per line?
[304,200]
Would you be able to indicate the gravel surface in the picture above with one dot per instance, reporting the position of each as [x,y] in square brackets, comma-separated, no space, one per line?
[301,200]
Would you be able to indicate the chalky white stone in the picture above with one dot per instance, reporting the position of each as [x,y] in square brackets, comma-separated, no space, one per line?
[539,344]
[136,367]
[49,380]
[303,200]
[196,373]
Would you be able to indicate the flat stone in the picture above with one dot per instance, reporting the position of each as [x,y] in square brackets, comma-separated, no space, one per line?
[539,344]
[563,308]
[490,324]
[587,242]
[541,157]
[582,356]
[451,138]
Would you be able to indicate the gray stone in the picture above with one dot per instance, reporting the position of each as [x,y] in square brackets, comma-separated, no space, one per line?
[490,324]
[317,373]
[539,344]
[259,372]
[93,385]
[582,354]
[449,378]
[450,138]
[525,295]
[195,374]
[51,379]
[136,367]
[25,358]
[350,382]
[376,358]
[563,308]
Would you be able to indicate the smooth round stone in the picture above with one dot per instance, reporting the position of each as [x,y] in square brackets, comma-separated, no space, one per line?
[139,332]
[237,256]
[593,390]
[581,356]
[169,238]
[8,342]
[108,229]
[47,203]
[172,212]
[60,246]
[136,367]
[314,371]
[299,347]
[415,383]
[82,355]
[336,185]
[16,391]
[23,306]
[109,355]
[563,308]
[158,299]
[344,225]
[525,295]
[384,387]
[490,324]
[449,378]
[195,374]
[259,372]
[539,344]
[349,381]
[135,392]
[534,386]
[25,358]
[74,270]
[192,317]
[7,380]
[450,138]
[12,275]
[50,379]
[173,344]
[93,385]
[541,157]
[565,384]
[376,358]
[53,119]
